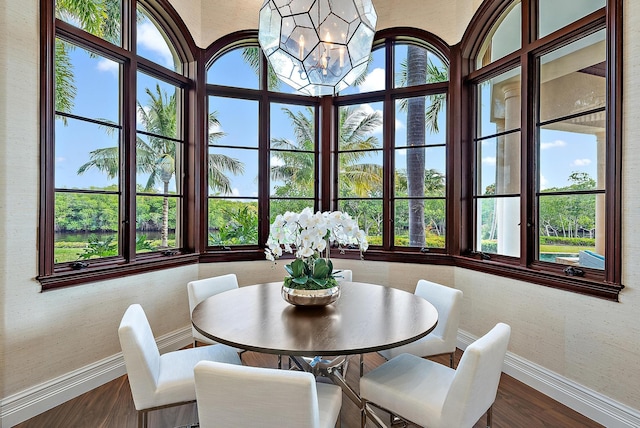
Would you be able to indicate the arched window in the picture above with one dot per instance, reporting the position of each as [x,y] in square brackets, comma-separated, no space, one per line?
[262,148]
[288,146]
[546,173]
[114,139]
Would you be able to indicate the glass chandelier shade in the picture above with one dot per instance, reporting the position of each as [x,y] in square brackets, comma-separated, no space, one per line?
[318,47]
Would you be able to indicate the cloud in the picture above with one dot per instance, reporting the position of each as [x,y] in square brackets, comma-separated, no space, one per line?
[235,192]
[150,38]
[544,183]
[109,66]
[556,143]
[61,159]
[373,82]
[489,160]
[581,162]
[401,152]
[274,161]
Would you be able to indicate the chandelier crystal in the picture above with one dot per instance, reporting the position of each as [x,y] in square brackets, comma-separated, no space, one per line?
[318,47]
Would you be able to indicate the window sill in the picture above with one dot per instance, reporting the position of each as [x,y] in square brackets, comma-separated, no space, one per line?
[115,268]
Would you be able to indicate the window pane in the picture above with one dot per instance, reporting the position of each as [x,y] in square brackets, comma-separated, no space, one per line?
[555,14]
[233,172]
[292,127]
[156,220]
[431,172]
[373,79]
[505,37]
[153,44]
[233,222]
[87,155]
[360,174]
[360,127]
[433,226]
[100,18]
[571,229]
[238,67]
[571,160]
[498,165]
[498,226]
[421,120]
[292,174]
[417,65]
[573,79]
[156,164]
[499,104]
[229,128]
[86,226]
[368,213]
[81,78]
[281,206]
[158,106]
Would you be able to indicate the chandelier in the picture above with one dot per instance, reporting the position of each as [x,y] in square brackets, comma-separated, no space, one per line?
[318,47]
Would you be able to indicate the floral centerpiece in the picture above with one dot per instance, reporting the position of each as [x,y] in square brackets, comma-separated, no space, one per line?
[311,235]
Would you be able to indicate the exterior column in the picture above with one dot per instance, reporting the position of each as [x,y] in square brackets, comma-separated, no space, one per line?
[600,198]
[508,175]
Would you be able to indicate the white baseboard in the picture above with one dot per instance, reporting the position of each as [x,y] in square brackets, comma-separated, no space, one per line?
[26,404]
[40,398]
[590,403]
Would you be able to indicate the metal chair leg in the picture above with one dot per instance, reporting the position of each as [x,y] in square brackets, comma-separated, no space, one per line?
[142,419]
[279,361]
[451,360]
[489,416]
[361,364]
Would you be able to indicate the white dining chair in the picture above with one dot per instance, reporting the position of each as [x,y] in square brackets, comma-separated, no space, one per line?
[433,395]
[166,380]
[248,397]
[442,340]
[203,288]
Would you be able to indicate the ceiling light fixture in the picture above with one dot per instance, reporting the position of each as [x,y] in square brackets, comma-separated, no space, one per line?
[318,47]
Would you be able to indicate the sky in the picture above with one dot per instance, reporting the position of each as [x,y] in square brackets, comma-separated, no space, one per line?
[561,153]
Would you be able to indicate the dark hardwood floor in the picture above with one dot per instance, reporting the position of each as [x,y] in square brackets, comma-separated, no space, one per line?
[111,405]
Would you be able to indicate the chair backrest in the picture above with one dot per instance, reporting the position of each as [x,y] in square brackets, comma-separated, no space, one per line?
[475,383]
[203,288]
[242,396]
[448,303]
[141,355]
[343,275]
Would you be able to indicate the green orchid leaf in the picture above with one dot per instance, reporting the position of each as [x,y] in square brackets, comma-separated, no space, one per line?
[320,282]
[320,269]
[288,269]
[298,268]
[301,280]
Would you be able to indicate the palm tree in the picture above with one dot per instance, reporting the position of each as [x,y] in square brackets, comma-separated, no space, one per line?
[98,17]
[156,156]
[416,70]
[297,171]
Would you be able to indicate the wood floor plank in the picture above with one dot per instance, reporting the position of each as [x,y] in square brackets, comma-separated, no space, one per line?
[111,405]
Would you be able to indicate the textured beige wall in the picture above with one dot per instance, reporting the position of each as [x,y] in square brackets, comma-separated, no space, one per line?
[44,335]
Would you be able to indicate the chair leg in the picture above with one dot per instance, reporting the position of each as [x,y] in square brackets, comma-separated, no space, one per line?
[279,361]
[489,416]
[361,364]
[142,419]
[451,357]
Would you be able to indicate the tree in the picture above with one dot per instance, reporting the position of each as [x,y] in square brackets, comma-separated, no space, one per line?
[297,169]
[156,156]
[98,17]
[417,70]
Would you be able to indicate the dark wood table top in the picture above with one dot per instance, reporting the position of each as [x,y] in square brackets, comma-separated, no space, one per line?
[366,318]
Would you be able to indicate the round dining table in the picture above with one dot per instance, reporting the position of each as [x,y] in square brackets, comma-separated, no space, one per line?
[366,318]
